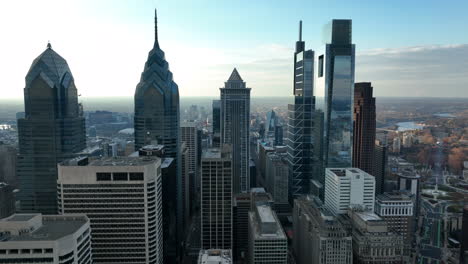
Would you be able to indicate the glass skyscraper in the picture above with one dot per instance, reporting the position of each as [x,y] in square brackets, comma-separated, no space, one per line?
[235,128]
[52,130]
[302,148]
[335,91]
[157,117]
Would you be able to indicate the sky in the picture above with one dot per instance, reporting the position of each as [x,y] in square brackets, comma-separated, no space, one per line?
[413,48]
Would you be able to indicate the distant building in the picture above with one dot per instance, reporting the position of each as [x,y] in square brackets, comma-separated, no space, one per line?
[185,174]
[465,170]
[373,242]
[380,166]
[408,140]
[270,124]
[215,256]
[216,116]
[216,198]
[348,187]
[235,128]
[188,134]
[364,127]
[267,240]
[319,237]
[7,200]
[126,206]
[36,238]
[52,130]
[8,164]
[409,181]
[397,209]
[278,135]
[396,144]
[263,150]
[277,180]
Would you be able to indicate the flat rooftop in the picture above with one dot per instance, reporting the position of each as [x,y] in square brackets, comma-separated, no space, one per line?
[52,228]
[265,213]
[393,196]
[369,216]
[215,256]
[211,153]
[115,161]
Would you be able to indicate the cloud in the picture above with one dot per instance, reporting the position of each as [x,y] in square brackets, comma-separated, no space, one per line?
[426,71]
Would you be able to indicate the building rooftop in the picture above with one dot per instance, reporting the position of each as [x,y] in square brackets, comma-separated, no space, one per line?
[369,216]
[266,214]
[393,196]
[265,223]
[114,161]
[43,228]
[215,256]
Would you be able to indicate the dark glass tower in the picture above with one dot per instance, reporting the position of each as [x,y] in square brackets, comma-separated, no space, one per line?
[52,130]
[364,127]
[216,116]
[157,117]
[235,128]
[302,118]
[335,91]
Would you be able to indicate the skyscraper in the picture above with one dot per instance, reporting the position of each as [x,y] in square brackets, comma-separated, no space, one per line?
[235,124]
[301,136]
[53,129]
[270,124]
[334,93]
[380,165]
[216,116]
[216,198]
[364,127]
[157,114]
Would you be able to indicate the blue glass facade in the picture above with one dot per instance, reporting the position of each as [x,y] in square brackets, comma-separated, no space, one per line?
[335,94]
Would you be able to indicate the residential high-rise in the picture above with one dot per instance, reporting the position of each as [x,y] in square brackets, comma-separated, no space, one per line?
[267,241]
[235,124]
[52,130]
[318,235]
[348,187]
[7,200]
[216,198]
[123,199]
[157,114]
[334,93]
[303,152]
[36,238]
[364,127]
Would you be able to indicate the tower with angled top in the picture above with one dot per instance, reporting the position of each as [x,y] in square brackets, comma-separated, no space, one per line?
[235,125]
[52,130]
[156,121]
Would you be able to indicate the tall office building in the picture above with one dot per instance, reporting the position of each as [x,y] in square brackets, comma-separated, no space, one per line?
[157,114]
[380,165]
[123,199]
[235,128]
[185,174]
[364,127]
[188,134]
[303,150]
[36,238]
[334,93]
[52,130]
[267,241]
[216,198]
[8,164]
[270,124]
[348,187]
[318,235]
[277,180]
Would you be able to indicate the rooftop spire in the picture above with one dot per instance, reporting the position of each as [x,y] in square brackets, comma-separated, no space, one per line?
[300,30]
[156,43]
[49,46]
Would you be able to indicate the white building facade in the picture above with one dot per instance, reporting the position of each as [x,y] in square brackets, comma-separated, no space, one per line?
[34,238]
[348,187]
[123,199]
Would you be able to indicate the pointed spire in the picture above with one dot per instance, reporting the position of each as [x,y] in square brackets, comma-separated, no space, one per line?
[49,46]
[156,43]
[235,76]
[300,30]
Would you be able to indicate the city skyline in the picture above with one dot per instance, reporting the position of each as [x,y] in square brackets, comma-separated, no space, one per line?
[201,44]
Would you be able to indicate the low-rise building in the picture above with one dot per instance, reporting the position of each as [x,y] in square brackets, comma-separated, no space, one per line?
[215,256]
[36,238]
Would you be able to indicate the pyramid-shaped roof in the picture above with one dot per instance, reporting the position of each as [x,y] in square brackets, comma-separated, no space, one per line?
[235,76]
